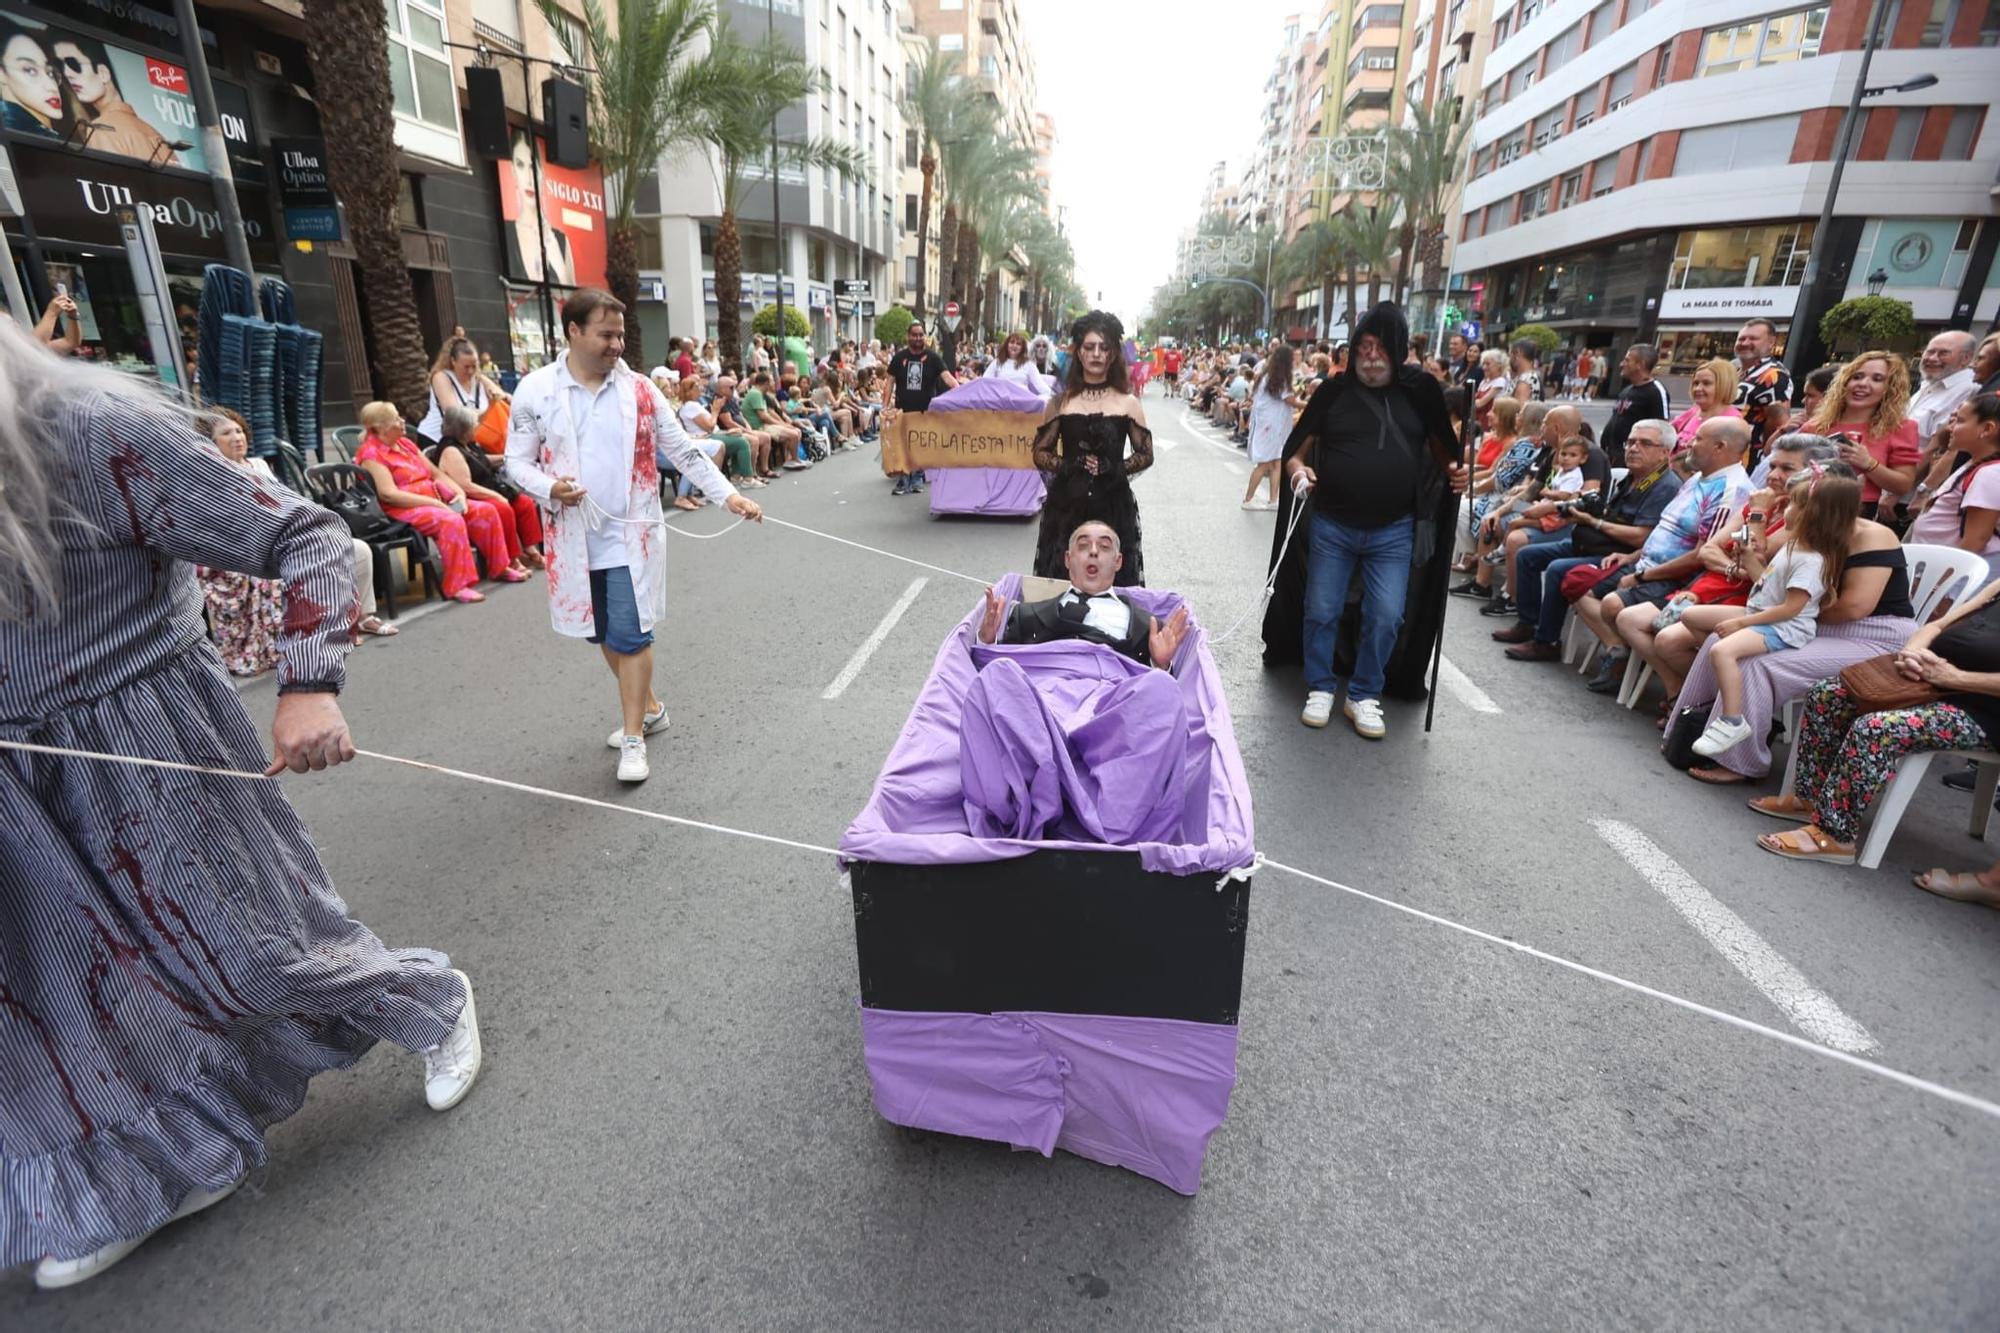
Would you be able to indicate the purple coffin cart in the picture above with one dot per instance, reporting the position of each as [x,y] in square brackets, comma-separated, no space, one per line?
[1054,994]
[1004,491]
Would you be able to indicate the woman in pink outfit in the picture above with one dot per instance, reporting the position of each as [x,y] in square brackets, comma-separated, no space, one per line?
[412,489]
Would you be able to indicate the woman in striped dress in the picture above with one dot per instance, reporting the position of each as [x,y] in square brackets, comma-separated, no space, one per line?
[174,964]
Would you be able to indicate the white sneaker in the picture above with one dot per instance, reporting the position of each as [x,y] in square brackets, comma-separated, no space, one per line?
[632,765]
[1318,709]
[1720,735]
[654,721]
[1366,714]
[53,1273]
[452,1065]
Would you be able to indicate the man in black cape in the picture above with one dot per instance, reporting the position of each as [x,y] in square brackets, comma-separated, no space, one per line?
[1436,479]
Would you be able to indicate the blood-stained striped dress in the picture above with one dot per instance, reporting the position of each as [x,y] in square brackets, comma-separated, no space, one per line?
[175,965]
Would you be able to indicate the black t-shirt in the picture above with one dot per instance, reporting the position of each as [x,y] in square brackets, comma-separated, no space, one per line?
[918,378]
[1973,644]
[1370,458]
[1636,403]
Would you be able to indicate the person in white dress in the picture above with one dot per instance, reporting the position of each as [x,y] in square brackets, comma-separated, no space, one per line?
[1015,365]
[1273,406]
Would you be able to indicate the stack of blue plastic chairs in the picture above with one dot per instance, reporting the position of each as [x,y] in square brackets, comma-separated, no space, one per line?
[299,353]
[266,368]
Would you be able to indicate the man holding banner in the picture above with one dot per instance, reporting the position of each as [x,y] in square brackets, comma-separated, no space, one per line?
[917,375]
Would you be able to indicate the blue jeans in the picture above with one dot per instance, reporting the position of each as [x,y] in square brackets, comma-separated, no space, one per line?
[1538,574]
[1383,557]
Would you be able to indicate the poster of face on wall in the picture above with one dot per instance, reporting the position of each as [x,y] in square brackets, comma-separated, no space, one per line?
[572,231]
[67,86]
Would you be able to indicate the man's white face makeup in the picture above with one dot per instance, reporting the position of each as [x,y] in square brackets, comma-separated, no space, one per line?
[1093,559]
[1371,362]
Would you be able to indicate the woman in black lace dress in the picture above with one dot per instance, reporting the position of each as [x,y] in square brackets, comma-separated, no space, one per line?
[1081,450]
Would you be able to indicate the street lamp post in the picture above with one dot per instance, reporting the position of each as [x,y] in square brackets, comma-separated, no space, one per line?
[778,210]
[1799,338]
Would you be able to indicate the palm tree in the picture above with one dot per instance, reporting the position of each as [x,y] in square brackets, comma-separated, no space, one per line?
[986,174]
[763,79]
[1427,154]
[1369,231]
[648,92]
[347,49]
[1313,258]
[930,104]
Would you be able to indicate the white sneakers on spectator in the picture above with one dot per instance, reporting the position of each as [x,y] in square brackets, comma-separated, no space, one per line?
[632,765]
[1366,715]
[53,1273]
[655,719]
[452,1064]
[1318,709]
[1722,733]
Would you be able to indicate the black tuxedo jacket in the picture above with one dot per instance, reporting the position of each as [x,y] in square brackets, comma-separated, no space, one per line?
[1040,622]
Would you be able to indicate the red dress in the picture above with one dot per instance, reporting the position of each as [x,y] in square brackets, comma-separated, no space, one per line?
[454,533]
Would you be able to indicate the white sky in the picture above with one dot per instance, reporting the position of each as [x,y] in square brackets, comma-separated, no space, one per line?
[1146,98]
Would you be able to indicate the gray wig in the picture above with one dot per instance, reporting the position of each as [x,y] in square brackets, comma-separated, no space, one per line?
[40,393]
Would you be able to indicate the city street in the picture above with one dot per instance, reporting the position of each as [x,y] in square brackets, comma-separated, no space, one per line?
[673,1126]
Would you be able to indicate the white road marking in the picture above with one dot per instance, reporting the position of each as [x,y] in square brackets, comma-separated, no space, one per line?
[1810,1009]
[1462,688]
[874,640]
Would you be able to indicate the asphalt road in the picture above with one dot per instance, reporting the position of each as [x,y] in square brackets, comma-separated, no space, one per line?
[673,1128]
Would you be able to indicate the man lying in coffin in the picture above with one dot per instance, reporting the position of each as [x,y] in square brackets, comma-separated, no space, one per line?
[1069,744]
[1088,610]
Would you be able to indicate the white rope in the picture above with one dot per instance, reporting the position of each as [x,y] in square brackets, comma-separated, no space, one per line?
[1938,1090]
[1261,861]
[1271,580]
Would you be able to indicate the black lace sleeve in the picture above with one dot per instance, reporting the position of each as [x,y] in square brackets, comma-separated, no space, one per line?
[1141,436]
[1047,462]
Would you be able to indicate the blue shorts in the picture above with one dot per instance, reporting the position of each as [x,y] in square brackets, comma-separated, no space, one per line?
[615,612]
[1772,643]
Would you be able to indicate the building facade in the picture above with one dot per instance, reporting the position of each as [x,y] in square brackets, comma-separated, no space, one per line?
[834,229]
[1655,171]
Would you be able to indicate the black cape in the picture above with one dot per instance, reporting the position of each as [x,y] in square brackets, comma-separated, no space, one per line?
[1423,615]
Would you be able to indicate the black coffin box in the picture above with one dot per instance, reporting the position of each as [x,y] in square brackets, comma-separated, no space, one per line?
[1053,931]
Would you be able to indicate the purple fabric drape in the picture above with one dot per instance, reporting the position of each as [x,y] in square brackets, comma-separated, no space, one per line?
[1775,679]
[1001,491]
[917,814]
[995,395]
[1141,1093]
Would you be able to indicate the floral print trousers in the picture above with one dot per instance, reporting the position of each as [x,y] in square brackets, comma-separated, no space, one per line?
[245,617]
[1845,759]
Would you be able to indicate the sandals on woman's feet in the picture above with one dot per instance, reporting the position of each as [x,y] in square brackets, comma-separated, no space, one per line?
[377,626]
[1808,842]
[1960,886]
[1782,807]
[1716,776]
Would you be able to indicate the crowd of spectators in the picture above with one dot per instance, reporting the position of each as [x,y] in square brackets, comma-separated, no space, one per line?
[1743,553]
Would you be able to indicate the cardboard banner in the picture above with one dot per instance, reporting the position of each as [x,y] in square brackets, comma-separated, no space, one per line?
[918,440]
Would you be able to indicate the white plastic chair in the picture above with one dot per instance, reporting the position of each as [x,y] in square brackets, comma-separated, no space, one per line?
[1638,674]
[1908,776]
[1619,474]
[1934,572]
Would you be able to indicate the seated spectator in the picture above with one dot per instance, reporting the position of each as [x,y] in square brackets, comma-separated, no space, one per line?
[1624,522]
[1494,384]
[241,609]
[1732,561]
[1558,423]
[412,489]
[1669,559]
[474,472]
[1782,614]
[1866,410]
[1871,615]
[730,419]
[1814,390]
[1506,416]
[729,452]
[457,381]
[1846,756]
[1711,392]
[1576,470]
[1986,364]
[1966,505]
[761,409]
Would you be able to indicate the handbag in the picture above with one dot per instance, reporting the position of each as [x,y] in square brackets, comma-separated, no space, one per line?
[491,434]
[1682,732]
[1876,686]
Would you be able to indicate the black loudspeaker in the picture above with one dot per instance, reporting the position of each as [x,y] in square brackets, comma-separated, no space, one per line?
[566,113]
[486,113]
